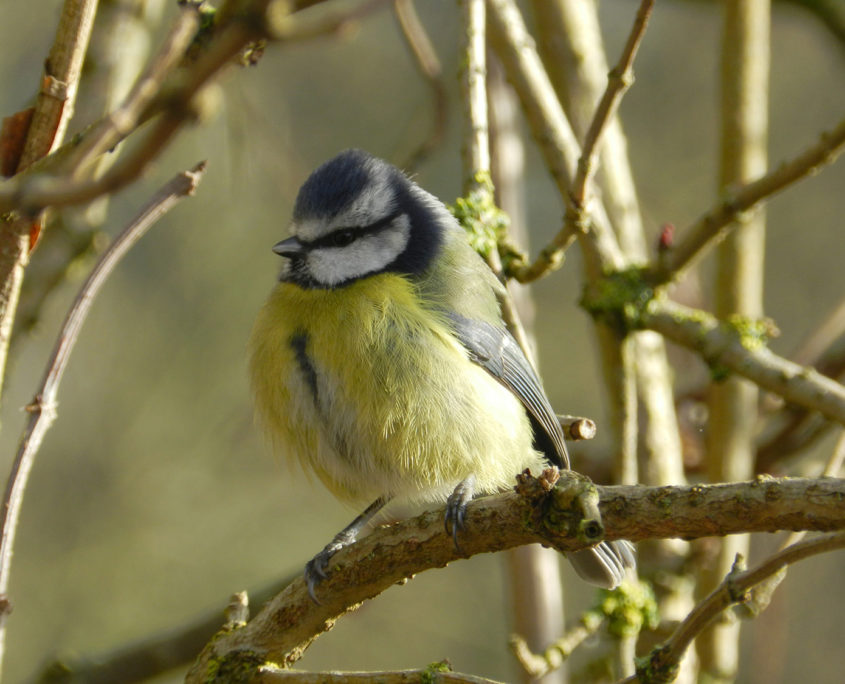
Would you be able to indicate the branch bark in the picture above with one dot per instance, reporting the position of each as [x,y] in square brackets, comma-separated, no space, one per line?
[535,512]
[42,410]
[725,348]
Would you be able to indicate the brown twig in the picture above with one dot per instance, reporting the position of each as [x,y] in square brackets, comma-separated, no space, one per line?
[712,226]
[53,109]
[136,107]
[429,66]
[620,79]
[664,660]
[42,409]
[174,107]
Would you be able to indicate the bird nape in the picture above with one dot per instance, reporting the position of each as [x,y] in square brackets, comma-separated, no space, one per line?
[381,362]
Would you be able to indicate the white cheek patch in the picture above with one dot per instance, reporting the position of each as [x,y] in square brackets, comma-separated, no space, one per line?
[332,266]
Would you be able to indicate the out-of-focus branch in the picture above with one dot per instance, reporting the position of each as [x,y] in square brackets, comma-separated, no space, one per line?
[798,428]
[436,673]
[53,109]
[550,128]
[42,409]
[534,513]
[738,291]
[429,66]
[735,589]
[620,79]
[712,226]
[174,106]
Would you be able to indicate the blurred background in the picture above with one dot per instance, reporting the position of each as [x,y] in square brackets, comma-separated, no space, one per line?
[154,497]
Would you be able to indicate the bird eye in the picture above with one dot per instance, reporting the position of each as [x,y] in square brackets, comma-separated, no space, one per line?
[342,238]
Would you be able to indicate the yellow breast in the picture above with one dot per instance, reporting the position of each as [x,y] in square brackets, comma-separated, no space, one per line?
[366,386]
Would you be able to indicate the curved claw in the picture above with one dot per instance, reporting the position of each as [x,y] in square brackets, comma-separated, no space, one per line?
[456,508]
[315,571]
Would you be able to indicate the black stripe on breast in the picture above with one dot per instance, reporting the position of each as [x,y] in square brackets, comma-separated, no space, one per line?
[299,343]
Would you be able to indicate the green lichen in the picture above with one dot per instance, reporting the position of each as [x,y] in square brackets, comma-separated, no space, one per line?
[752,333]
[485,223]
[429,675]
[653,668]
[628,609]
[235,667]
[620,298]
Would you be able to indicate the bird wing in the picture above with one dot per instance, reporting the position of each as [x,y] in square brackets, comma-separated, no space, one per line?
[493,348]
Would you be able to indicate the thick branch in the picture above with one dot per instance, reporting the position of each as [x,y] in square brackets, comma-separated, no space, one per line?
[393,553]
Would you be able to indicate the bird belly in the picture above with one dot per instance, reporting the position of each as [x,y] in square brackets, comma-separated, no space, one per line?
[369,389]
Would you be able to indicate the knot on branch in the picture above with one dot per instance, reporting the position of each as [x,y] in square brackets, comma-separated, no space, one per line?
[562,503]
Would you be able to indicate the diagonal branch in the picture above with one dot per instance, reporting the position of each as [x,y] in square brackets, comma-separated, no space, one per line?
[735,588]
[725,347]
[712,226]
[621,78]
[42,410]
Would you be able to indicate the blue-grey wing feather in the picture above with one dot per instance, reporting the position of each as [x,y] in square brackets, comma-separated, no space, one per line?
[493,348]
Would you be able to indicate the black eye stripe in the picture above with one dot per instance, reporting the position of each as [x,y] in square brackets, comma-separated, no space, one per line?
[340,237]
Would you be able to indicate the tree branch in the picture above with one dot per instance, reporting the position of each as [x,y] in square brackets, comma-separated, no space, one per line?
[735,588]
[535,512]
[42,409]
[712,226]
[53,109]
[727,347]
[436,673]
[425,57]
[620,79]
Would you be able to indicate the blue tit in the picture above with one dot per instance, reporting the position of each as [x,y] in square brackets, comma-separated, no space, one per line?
[381,362]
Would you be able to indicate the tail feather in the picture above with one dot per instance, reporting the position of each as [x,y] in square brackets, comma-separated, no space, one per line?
[604,564]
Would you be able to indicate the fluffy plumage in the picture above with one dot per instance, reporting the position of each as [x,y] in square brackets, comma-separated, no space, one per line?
[380,361]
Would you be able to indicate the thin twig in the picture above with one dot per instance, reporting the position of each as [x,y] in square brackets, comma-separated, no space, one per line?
[135,108]
[176,106]
[42,410]
[429,66]
[550,128]
[711,227]
[53,109]
[734,589]
[620,79]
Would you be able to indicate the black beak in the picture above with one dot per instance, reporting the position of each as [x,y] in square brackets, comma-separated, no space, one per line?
[288,248]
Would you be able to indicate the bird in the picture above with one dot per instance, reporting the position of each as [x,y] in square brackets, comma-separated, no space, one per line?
[381,362]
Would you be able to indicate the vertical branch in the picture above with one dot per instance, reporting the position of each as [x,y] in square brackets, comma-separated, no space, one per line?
[601,250]
[53,109]
[476,143]
[739,286]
